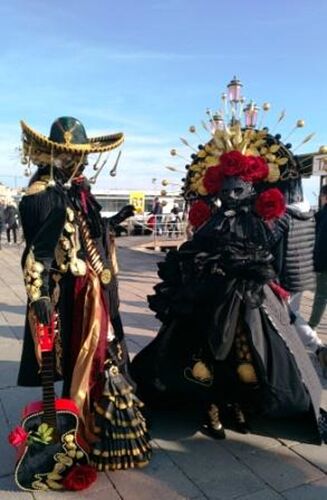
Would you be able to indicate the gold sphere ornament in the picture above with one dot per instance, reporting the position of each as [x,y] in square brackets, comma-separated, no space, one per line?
[201,372]
[323,150]
[300,123]
[163,192]
[266,106]
[164,182]
[173,152]
[247,373]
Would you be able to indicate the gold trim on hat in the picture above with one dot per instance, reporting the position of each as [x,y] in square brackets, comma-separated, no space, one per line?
[99,144]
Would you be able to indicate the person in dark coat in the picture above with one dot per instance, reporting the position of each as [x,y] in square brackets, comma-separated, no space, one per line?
[11,221]
[320,262]
[295,258]
[157,212]
[2,220]
[70,269]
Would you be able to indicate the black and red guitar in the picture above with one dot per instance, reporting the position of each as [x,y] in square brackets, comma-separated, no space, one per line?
[53,445]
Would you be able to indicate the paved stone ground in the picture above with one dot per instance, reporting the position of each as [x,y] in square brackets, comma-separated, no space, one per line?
[275,461]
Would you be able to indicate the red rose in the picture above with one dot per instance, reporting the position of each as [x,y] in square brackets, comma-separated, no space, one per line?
[79,477]
[199,213]
[232,163]
[212,180]
[270,204]
[17,436]
[255,169]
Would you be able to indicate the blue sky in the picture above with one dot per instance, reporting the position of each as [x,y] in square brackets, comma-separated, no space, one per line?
[151,68]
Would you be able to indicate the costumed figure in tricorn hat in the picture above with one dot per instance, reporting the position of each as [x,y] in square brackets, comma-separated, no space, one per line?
[226,343]
[70,275]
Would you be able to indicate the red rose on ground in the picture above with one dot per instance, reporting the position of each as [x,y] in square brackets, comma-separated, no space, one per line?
[199,213]
[17,436]
[232,163]
[212,179]
[255,169]
[80,477]
[270,204]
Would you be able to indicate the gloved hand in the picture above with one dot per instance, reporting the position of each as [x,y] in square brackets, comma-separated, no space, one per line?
[124,213]
[43,310]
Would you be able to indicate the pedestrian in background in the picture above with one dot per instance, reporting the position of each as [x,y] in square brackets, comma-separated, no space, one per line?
[320,262]
[2,219]
[173,221]
[295,255]
[157,212]
[11,220]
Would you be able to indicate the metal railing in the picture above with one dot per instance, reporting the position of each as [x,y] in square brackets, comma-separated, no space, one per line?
[157,227]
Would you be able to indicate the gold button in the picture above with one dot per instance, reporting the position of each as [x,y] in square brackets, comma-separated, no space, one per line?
[105,276]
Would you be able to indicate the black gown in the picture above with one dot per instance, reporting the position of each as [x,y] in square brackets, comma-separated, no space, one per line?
[226,335]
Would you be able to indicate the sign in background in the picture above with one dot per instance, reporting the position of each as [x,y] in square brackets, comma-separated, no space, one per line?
[319,166]
[137,198]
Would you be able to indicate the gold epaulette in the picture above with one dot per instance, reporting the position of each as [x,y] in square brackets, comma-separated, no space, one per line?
[37,187]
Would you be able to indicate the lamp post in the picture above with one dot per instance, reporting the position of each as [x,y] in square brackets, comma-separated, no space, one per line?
[251,114]
[234,89]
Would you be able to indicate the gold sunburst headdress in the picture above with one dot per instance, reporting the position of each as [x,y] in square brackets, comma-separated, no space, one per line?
[230,132]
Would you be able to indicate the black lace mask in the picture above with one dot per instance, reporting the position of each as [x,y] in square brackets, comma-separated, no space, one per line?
[235,193]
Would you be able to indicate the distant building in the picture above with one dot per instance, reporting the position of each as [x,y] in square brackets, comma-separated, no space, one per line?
[8,194]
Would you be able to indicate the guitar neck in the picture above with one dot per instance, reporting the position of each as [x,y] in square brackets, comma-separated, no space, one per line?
[47,376]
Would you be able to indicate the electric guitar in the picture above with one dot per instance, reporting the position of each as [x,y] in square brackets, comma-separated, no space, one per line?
[53,444]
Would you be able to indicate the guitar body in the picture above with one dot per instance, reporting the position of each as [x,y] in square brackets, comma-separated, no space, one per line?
[43,466]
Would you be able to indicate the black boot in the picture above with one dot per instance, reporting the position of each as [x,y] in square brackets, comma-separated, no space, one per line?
[213,427]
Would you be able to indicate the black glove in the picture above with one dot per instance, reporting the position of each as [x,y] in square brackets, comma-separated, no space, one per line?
[124,213]
[43,310]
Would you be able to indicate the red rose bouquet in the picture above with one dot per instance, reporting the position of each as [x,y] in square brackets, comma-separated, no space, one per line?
[80,477]
[199,213]
[18,436]
[270,204]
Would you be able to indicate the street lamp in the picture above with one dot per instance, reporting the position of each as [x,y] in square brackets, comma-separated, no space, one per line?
[235,99]
[234,90]
[251,114]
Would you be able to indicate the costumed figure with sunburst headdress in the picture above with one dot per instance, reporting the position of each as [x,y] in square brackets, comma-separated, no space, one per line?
[70,269]
[226,344]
